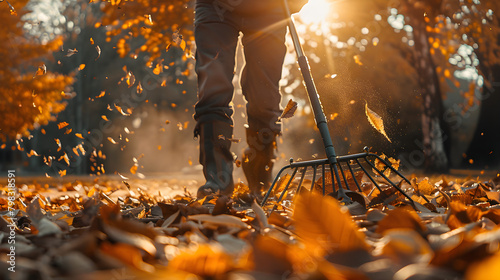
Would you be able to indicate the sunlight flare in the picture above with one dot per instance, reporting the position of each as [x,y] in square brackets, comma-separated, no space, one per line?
[315,11]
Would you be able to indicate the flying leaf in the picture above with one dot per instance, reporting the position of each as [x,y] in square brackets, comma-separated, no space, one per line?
[289,110]
[11,9]
[376,121]
[62,173]
[58,142]
[357,59]
[71,52]
[325,226]
[62,125]
[98,49]
[112,140]
[41,70]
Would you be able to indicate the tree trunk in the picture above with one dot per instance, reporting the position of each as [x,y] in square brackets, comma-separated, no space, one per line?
[434,134]
[484,149]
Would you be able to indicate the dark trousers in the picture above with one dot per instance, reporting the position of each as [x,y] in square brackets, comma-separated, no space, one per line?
[218,24]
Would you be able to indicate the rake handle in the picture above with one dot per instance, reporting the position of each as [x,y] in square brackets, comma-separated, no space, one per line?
[305,70]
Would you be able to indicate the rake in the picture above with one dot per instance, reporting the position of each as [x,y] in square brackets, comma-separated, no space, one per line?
[338,174]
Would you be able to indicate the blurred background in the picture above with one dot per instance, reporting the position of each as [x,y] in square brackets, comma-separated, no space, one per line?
[107,87]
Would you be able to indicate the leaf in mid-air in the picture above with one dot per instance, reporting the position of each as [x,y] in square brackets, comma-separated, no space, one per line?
[289,110]
[376,121]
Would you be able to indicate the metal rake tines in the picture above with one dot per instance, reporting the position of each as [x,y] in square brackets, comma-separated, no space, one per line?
[350,173]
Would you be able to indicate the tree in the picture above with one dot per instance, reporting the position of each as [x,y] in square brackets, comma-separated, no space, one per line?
[30,95]
[159,23]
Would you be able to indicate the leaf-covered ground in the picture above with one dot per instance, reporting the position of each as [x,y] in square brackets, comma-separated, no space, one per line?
[118,228]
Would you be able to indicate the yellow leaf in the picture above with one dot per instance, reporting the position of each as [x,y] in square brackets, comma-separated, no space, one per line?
[325,226]
[82,66]
[79,135]
[376,121]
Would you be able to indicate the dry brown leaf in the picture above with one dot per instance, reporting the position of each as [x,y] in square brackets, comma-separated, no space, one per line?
[376,121]
[219,220]
[423,187]
[127,254]
[289,110]
[325,226]
[203,260]
[400,218]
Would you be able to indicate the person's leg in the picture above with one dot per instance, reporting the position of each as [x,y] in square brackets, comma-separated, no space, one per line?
[216,42]
[264,50]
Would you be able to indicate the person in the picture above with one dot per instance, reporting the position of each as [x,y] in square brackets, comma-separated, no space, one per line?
[217,27]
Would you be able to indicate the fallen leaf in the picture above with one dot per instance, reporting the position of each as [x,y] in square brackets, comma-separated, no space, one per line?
[400,218]
[325,226]
[219,220]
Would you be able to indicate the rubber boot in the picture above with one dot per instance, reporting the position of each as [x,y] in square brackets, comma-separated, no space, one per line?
[258,159]
[216,157]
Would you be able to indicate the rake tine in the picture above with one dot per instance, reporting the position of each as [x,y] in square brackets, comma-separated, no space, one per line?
[331,174]
[353,176]
[301,179]
[369,176]
[273,185]
[286,188]
[343,176]
[341,192]
[387,179]
[314,177]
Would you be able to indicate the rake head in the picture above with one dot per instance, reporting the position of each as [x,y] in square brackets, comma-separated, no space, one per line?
[344,180]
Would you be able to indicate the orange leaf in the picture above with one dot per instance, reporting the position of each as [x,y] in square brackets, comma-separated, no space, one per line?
[400,218]
[62,125]
[376,121]
[210,261]
[325,226]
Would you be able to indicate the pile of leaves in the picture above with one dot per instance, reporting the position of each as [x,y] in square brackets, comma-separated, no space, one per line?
[99,230]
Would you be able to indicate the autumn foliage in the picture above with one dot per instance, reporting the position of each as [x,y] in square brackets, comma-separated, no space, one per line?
[31,96]
[161,24]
